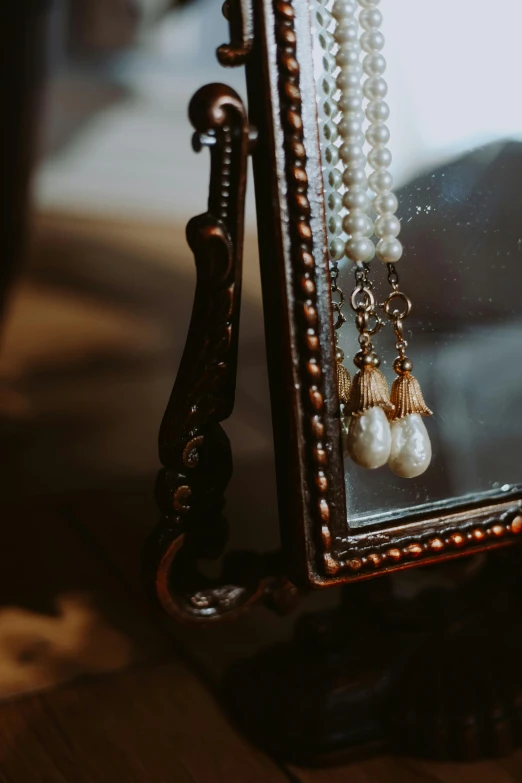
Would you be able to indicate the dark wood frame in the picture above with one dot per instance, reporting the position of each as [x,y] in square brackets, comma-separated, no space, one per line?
[273,39]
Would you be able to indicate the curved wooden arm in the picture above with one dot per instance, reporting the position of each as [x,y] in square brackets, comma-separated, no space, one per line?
[194,449]
[241,22]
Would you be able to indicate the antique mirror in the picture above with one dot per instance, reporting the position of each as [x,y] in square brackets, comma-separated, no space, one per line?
[448,307]
[392,326]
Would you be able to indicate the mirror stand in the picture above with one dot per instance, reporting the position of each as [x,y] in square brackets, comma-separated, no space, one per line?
[194,449]
[427,668]
[420,662]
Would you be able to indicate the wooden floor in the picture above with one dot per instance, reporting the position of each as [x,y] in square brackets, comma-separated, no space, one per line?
[77,509]
[158,720]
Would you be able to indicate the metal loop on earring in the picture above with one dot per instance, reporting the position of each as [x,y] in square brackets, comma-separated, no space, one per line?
[338,306]
[393,277]
[379,323]
[395,315]
[341,318]
[341,301]
[362,298]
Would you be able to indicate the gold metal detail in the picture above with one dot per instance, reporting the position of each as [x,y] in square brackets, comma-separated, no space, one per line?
[369,390]
[406,394]
[344,383]
[406,397]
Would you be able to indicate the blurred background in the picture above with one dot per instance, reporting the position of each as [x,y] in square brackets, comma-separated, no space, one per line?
[95,132]
[100,290]
[97,322]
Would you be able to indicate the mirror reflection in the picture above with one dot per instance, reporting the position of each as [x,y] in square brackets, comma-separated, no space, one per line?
[455,136]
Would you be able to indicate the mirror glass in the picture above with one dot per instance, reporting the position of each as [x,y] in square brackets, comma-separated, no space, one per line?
[456,140]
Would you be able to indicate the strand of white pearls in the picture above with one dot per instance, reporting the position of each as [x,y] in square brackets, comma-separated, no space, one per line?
[375,89]
[354,195]
[328,113]
[356,223]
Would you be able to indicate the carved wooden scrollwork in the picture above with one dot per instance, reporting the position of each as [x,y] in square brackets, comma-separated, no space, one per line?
[241,22]
[193,448]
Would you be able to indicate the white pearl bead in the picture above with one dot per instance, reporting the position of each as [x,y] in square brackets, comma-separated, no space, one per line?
[331,155]
[351,154]
[377,111]
[350,103]
[389,250]
[369,439]
[377,134]
[387,226]
[347,80]
[410,452]
[347,20]
[349,127]
[379,157]
[371,254]
[358,223]
[356,139]
[356,115]
[335,179]
[359,249]
[372,41]
[375,88]
[335,201]
[374,64]
[345,33]
[355,176]
[346,57]
[381,181]
[386,202]
[354,92]
[369,3]
[354,66]
[336,248]
[356,198]
[370,18]
[343,8]
[335,224]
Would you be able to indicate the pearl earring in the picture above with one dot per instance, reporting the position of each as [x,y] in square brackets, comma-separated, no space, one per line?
[410,452]
[368,440]
[382,428]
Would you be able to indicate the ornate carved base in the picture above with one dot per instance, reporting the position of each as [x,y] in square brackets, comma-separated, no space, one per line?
[436,675]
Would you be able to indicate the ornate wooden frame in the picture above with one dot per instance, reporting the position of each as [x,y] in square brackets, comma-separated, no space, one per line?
[273,39]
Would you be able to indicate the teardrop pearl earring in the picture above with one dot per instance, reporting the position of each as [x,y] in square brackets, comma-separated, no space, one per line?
[369,435]
[410,452]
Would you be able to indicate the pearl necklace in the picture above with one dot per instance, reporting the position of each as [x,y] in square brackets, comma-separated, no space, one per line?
[371,440]
[357,224]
